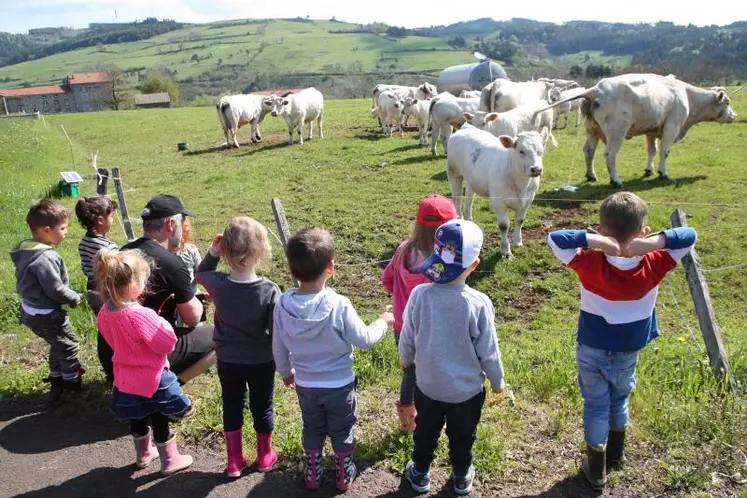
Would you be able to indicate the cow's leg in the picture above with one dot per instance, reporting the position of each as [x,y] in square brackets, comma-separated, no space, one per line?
[578,117]
[592,141]
[291,129]
[668,137]
[320,123]
[311,129]
[611,150]
[399,127]
[503,221]
[300,131]
[234,141]
[435,129]
[446,132]
[455,180]
[255,127]
[651,150]
[519,216]
[566,120]
[469,199]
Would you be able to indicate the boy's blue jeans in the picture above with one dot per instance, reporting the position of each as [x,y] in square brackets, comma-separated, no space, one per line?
[606,379]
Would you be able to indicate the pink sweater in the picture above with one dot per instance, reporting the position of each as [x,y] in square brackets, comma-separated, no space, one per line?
[399,281]
[141,340]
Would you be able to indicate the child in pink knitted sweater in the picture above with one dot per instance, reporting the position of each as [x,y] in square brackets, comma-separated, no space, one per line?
[145,391]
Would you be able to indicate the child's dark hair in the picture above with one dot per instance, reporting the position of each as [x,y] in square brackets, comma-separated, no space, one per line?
[622,215]
[309,252]
[89,208]
[46,213]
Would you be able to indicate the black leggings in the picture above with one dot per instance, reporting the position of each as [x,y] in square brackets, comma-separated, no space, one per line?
[160,423]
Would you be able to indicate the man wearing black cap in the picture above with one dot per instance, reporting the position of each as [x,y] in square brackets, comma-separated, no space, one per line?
[169,289]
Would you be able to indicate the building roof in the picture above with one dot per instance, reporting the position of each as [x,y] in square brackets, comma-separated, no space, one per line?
[33,90]
[152,98]
[84,78]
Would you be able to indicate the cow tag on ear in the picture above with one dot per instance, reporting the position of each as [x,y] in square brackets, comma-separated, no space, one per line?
[468,116]
[506,141]
[720,96]
[492,116]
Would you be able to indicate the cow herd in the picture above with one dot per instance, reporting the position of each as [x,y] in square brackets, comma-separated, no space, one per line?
[494,139]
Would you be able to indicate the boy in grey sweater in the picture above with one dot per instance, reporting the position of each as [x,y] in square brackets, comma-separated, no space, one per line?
[315,330]
[43,285]
[448,332]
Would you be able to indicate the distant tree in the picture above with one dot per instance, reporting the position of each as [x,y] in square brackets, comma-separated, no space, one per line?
[120,90]
[576,71]
[195,58]
[158,82]
[457,42]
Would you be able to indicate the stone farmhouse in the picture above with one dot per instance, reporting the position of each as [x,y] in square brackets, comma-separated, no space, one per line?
[81,92]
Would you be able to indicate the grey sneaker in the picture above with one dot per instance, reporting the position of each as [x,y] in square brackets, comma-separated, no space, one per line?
[420,482]
[463,484]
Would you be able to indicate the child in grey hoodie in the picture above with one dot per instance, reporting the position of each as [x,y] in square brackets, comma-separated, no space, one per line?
[43,284]
[315,330]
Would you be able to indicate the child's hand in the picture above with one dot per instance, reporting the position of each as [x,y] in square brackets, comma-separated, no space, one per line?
[500,388]
[290,381]
[76,303]
[642,246]
[215,245]
[387,316]
[403,363]
[608,245]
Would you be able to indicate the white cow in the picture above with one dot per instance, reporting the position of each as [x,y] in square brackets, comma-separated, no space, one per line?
[419,110]
[389,111]
[658,107]
[445,113]
[565,110]
[503,95]
[513,122]
[421,92]
[301,108]
[234,111]
[469,94]
[507,170]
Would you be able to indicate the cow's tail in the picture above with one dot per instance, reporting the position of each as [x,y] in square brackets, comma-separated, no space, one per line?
[430,111]
[552,138]
[585,95]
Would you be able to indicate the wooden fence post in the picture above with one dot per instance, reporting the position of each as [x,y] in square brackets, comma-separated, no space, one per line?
[122,204]
[102,181]
[282,223]
[704,309]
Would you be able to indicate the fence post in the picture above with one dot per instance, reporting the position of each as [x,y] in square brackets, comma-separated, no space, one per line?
[122,205]
[704,309]
[102,181]
[282,223]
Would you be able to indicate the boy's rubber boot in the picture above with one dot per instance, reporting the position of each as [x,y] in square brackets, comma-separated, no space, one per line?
[406,413]
[616,448]
[312,476]
[235,452]
[145,450]
[55,388]
[345,469]
[266,456]
[594,467]
[171,460]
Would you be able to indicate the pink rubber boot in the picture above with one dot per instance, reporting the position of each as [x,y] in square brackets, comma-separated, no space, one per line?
[145,451]
[171,460]
[345,469]
[312,477]
[235,452]
[266,456]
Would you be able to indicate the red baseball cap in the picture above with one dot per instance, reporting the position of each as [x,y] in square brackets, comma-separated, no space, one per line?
[435,210]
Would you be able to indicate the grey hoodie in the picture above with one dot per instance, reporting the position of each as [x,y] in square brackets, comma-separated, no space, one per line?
[314,335]
[41,276]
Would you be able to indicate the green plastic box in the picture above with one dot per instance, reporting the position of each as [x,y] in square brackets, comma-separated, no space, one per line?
[69,189]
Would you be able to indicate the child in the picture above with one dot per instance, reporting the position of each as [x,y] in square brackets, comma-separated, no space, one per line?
[448,331]
[145,390]
[96,214]
[619,269]
[315,330]
[402,274]
[190,254]
[43,285]
[243,336]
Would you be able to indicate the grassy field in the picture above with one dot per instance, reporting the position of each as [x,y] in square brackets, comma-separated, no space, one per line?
[687,437]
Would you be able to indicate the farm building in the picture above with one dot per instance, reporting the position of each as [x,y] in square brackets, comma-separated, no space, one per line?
[82,92]
[149,100]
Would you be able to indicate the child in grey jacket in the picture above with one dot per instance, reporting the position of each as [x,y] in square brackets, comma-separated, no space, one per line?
[315,330]
[43,284]
[448,332]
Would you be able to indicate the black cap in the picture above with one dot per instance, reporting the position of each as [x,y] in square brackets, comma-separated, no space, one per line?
[163,206]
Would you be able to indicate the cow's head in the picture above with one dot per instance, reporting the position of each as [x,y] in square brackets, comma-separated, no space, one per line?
[408,104]
[427,91]
[281,106]
[527,150]
[555,94]
[480,119]
[721,108]
[397,101]
[268,103]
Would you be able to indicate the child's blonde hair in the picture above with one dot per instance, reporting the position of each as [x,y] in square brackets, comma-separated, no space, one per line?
[245,243]
[117,270]
[421,239]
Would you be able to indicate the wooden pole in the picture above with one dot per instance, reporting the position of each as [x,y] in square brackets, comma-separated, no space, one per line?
[282,223]
[122,204]
[102,181]
[5,106]
[704,309]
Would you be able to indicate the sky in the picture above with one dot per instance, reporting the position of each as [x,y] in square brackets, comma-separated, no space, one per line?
[18,16]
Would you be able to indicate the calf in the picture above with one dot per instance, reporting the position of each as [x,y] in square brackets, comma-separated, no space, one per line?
[557,94]
[234,111]
[444,113]
[421,92]
[506,169]
[513,122]
[301,108]
[503,95]
[419,110]
[389,111]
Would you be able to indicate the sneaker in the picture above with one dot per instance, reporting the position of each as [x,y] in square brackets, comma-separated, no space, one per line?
[463,484]
[419,481]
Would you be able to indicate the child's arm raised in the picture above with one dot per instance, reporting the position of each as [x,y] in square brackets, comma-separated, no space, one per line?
[566,244]
[357,333]
[677,241]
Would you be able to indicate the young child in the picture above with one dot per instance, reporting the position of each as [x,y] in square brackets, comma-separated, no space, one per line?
[244,304]
[619,269]
[448,332]
[402,274]
[96,214]
[315,330]
[145,390]
[190,254]
[43,285]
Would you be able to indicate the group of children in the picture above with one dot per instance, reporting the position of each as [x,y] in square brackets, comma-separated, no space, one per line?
[445,332]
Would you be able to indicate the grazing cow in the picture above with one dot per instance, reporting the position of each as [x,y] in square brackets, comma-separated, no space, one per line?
[389,111]
[301,108]
[507,170]
[445,112]
[658,107]
[503,95]
[469,94]
[513,122]
[421,92]
[419,109]
[556,94]
[234,111]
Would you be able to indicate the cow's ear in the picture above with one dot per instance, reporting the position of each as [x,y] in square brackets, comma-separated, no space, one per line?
[720,96]
[506,141]
[492,116]
[468,116]
[285,102]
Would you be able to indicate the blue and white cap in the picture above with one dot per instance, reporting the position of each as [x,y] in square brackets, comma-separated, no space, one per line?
[456,246]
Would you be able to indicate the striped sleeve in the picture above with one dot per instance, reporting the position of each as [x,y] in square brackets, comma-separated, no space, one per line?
[679,241]
[566,244]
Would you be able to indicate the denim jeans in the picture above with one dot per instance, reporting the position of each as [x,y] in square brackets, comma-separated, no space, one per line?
[606,379]
[259,378]
[329,412]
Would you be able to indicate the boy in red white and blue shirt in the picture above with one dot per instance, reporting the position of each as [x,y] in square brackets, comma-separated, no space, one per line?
[620,269]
